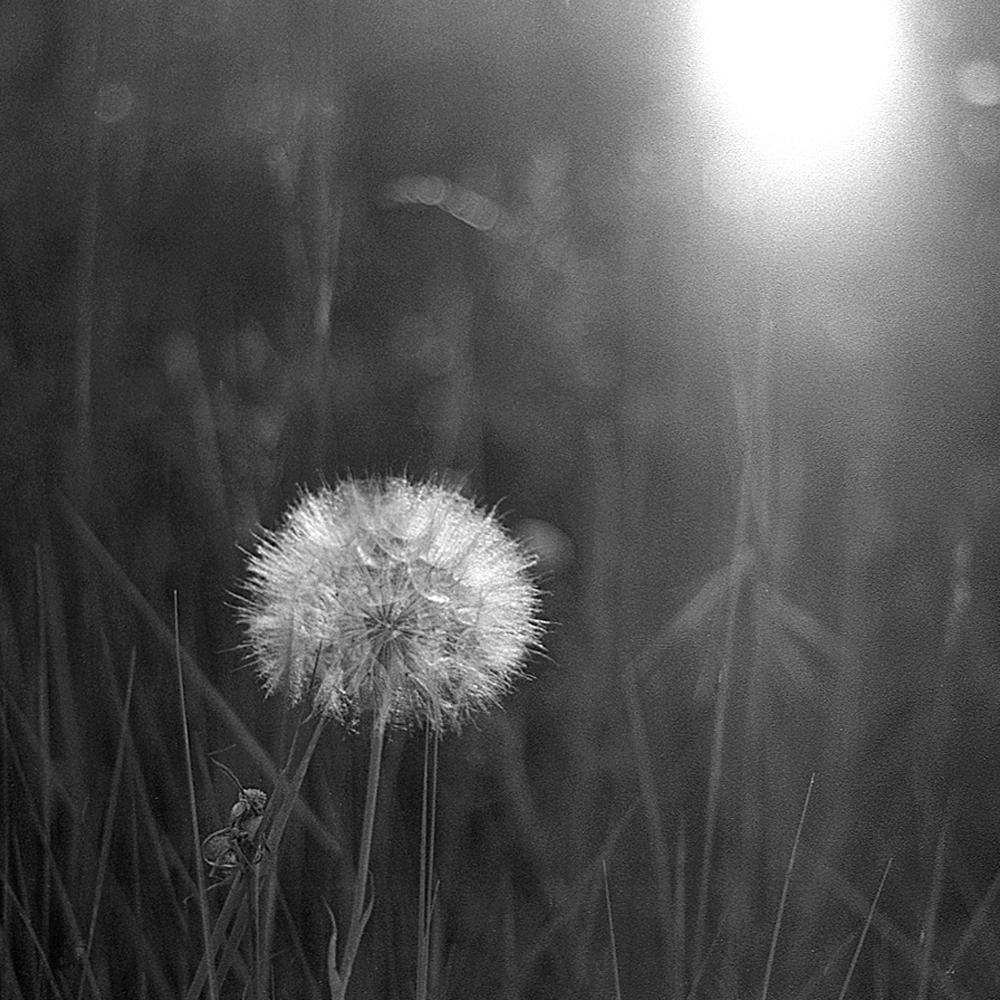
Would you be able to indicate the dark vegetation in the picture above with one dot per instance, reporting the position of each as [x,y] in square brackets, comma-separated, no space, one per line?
[771,552]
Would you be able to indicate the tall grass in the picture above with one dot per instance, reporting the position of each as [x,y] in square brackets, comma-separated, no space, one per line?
[748,605]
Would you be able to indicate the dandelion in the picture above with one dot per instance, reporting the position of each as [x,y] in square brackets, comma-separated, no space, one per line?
[384,595]
[399,600]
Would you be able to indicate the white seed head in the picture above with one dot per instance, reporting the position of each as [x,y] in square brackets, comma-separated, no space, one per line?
[385,594]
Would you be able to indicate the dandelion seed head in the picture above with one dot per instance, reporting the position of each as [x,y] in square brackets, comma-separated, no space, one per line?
[386,593]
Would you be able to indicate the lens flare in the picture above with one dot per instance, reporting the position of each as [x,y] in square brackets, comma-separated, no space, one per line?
[800,86]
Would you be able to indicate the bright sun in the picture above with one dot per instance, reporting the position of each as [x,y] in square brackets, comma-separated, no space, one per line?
[799,84]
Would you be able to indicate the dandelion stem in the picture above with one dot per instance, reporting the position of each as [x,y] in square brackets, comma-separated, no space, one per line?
[391,601]
[428,821]
[359,913]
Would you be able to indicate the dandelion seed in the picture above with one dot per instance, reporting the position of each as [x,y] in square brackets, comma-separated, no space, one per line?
[389,596]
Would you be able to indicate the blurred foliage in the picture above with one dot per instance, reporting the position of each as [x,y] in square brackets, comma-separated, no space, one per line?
[246,247]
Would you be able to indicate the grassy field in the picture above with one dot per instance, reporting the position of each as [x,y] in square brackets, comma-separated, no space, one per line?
[754,753]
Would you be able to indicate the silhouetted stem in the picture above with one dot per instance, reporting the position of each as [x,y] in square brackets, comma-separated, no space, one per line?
[719,724]
[358,916]
[428,822]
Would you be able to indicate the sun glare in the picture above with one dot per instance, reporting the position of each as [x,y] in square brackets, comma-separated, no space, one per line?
[799,85]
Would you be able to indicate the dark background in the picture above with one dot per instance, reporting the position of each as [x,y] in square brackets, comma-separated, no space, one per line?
[213,292]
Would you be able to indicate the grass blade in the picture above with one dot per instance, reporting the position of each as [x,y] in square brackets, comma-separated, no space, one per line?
[213,989]
[611,931]
[864,932]
[784,890]
[105,849]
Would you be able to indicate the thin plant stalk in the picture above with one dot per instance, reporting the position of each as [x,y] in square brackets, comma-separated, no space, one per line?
[206,930]
[142,989]
[576,896]
[259,991]
[428,823]
[751,404]
[976,925]
[227,937]
[900,941]
[650,798]
[43,960]
[6,826]
[784,890]
[105,849]
[45,840]
[273,830]
[86,262]
[680,905]
[204,687]
[608,476]
[305,962]
[930,921]
[699,972]
[340,976]
[864,932]
[611,930]
[231,924]
[719,725]
[44,738]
